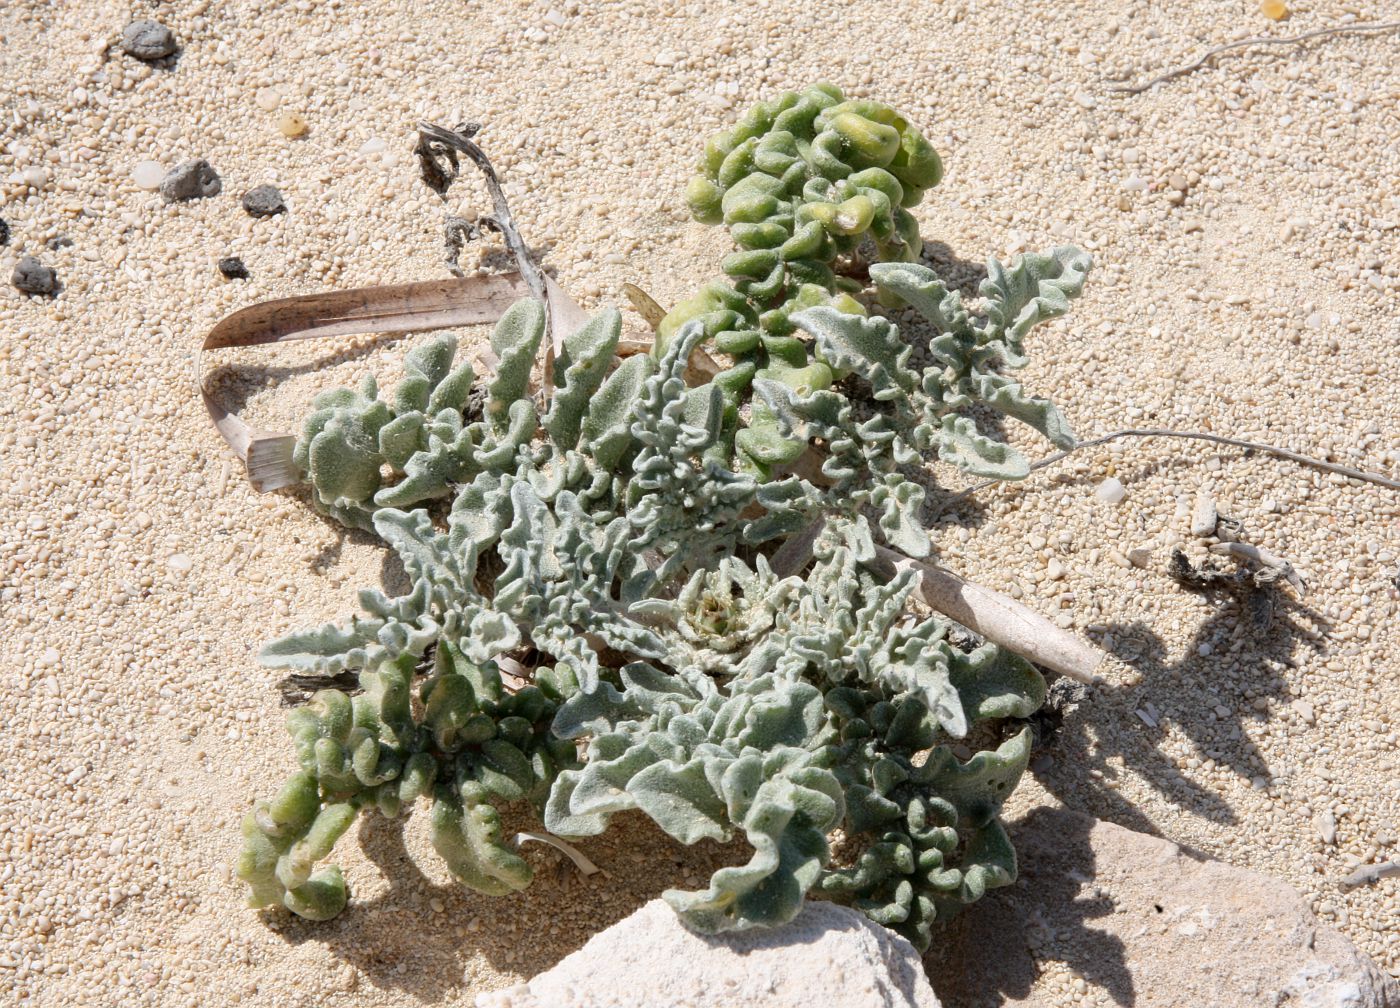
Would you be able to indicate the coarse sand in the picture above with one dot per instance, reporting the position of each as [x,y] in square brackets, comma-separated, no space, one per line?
[1244,220]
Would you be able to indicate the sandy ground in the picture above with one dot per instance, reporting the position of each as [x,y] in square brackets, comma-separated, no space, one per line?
[1244,221]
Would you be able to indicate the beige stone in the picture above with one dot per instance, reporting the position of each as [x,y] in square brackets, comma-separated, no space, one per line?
[1143,922]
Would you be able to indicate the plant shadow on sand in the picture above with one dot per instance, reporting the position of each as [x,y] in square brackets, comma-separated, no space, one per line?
[1079,765]
[522,933]
[1210,695]
[962,275]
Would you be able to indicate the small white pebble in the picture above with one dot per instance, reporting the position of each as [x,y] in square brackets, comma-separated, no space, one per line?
[180,562]
[1111,491]
[1327,828]
[1204,516]
[147,175]
[1304,710]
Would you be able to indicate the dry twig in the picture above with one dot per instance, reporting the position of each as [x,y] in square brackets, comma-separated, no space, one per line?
[580,860]
[1266,559]
[437,154]
[1242,43]
[1367,874]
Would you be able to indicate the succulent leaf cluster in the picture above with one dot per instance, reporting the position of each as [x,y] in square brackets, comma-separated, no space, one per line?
[800,182]
[735,701]
[829,703]
[472,744]
[566,534]
[613,541]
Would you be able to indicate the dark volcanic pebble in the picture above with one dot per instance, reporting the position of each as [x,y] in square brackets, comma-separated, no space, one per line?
[58,242]
[263,201]
[147,40]
[233,269]
[191,180]
[4,232]
[33,277]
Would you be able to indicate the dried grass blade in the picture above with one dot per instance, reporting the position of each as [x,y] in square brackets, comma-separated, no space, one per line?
[394,308]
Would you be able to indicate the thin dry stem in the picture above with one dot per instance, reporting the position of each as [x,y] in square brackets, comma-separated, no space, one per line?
[435,141]
[1242,43]
[1268,449]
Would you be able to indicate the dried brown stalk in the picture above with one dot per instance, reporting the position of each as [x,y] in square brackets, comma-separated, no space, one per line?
[397,308]
[997,617]
[437,154]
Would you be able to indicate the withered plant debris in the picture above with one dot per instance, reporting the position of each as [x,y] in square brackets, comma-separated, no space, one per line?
[1251,586]
[1062,697]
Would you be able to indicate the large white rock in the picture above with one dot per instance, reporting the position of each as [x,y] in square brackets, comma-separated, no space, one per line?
[829,957]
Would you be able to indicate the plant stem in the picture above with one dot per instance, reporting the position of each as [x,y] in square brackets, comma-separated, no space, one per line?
[1242,43]
[1347,471]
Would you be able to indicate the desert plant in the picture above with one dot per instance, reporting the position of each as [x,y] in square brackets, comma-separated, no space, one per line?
[608,534]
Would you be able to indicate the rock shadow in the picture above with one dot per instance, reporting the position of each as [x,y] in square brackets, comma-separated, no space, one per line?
[987,955]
